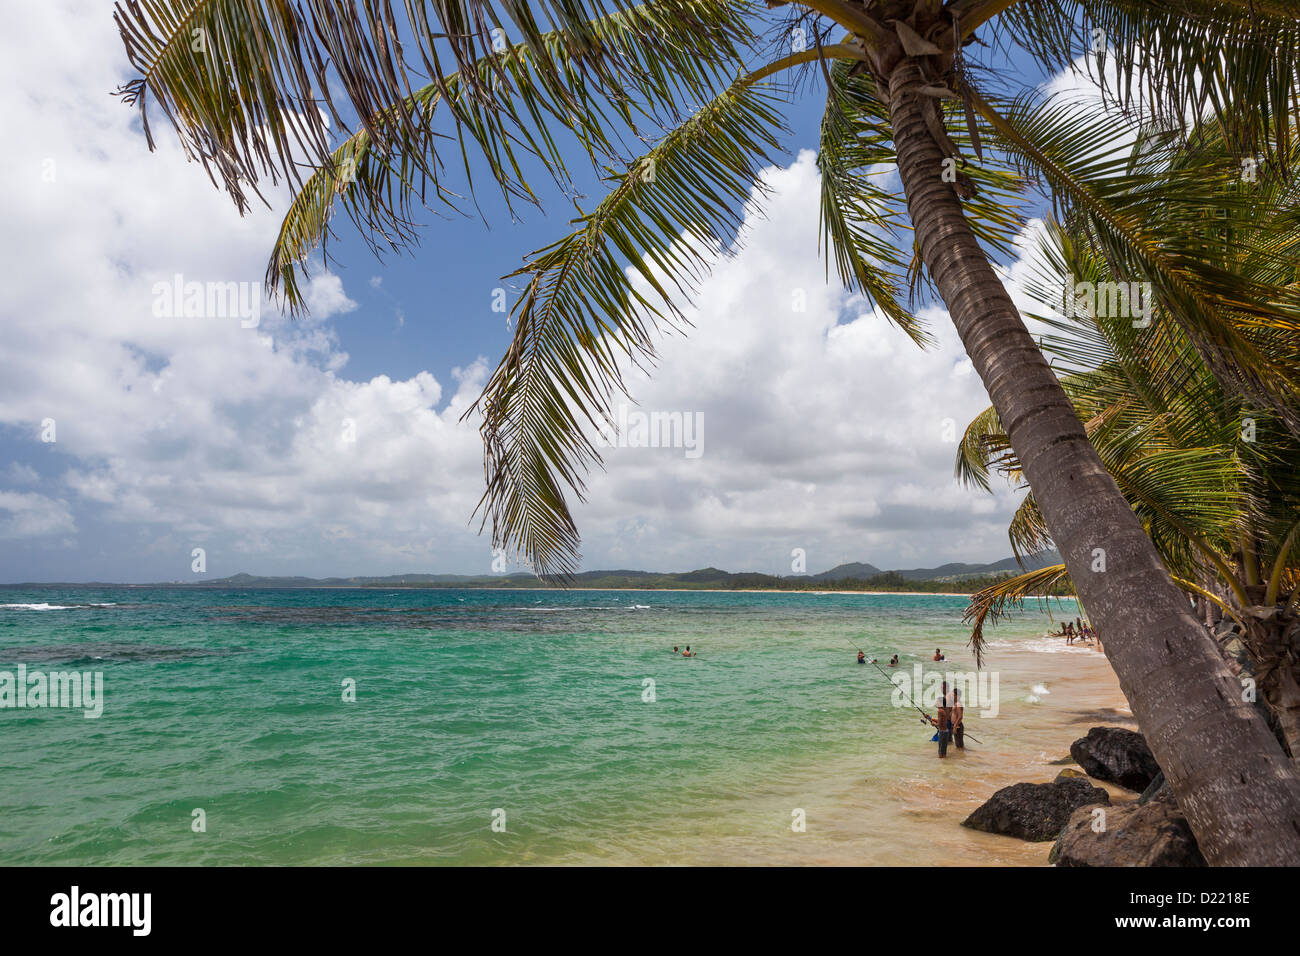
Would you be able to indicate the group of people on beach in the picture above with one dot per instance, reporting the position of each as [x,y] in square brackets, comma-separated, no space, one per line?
[1078,630]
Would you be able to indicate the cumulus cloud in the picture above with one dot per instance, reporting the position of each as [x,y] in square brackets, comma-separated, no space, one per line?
[33,515]
[326,298]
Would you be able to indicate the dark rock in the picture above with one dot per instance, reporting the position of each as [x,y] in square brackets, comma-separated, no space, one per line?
[1034,811]
[1150,834]
[1116,755]
[1060,760]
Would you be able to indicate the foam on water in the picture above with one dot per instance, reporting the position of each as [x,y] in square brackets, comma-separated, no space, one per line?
[1046,645]
[54,607]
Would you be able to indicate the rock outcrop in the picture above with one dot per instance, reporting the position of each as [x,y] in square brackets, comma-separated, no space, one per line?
[1116,755]
[1154,833]
[1035,811]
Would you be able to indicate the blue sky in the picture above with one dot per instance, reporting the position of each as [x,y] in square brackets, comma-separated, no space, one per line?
[821,428]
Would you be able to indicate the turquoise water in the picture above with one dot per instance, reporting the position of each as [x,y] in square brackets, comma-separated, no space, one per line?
[472,701]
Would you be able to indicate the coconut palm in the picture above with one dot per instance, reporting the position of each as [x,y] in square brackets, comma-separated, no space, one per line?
[255,86]
[1212,478]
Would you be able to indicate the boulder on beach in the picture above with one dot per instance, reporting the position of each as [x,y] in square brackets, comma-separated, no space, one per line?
[1154,833]
[1069,773]
[1116,755]
[1034,811]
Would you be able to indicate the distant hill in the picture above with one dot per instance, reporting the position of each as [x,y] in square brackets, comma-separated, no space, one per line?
[945,572]
[854,576]
[841,572]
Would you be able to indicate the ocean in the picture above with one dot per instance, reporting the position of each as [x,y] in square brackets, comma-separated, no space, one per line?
[421,726]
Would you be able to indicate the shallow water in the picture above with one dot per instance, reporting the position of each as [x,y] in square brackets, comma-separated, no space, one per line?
[531,702]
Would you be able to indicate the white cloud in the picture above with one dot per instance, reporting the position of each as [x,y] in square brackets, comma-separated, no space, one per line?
[326,298]
[33,515]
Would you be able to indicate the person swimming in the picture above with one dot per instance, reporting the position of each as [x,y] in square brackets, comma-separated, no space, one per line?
[674,648]
[862,658]
[938,655]
[893,661]
[687,652]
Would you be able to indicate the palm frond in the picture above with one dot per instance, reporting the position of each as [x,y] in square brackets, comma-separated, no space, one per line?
[1178,61]
[379,185]
[984,446]
[989,604]
[253,86]
[1028,530]
[861,220]
[580,318]
[1155,223]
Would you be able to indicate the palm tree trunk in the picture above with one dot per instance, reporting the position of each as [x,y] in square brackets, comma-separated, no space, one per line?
[1239,791]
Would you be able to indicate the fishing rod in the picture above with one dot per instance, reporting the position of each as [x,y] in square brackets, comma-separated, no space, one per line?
[928,719]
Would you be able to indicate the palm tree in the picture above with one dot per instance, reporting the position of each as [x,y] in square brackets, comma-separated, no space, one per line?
[1212,479]
[253,87]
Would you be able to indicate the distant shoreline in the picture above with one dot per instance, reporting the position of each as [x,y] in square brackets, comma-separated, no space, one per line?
[851,578]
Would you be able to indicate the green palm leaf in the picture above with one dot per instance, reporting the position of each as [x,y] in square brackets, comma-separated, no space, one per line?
[253,86]
[989,604]
[670,47]
[1147,215]
[580,318]
[861,219]
[1177,60]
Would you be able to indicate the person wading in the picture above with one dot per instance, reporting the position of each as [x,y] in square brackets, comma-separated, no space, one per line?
[943,720]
